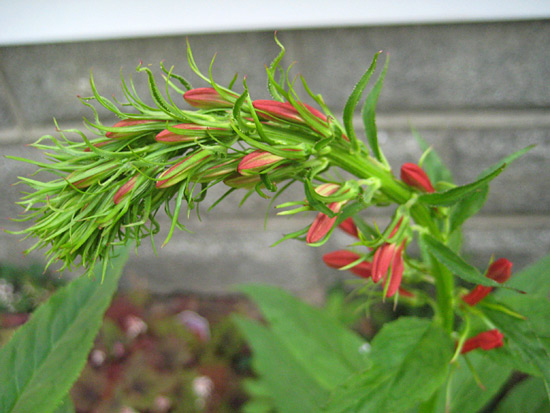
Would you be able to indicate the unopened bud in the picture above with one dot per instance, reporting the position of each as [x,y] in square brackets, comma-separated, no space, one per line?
[414,176]
[273,110]
[256,161]
[206,98]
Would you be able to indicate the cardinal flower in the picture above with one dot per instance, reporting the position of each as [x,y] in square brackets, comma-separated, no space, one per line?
[349,227]
[272,110]
[206,98]
[500,271]
[388,258]
[414,176]
[486,341]
[341,258]
[322,224]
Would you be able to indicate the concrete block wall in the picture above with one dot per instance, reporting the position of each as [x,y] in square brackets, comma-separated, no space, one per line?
[477,92]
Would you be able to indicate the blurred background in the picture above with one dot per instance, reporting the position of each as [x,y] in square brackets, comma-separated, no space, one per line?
[473,77]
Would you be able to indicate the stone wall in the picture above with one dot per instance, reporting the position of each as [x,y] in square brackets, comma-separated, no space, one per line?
[475,91]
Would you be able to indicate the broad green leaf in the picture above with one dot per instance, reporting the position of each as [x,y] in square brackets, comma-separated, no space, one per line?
[291,386]
[325,348]
[465,394]
[529,338]
[66,405]
[454,195]
[410,359]
[369,115]
[533,280]
[468,206]
[455,263]
[433,165]
[45,356]
[526,396]
[260,397]
[354,99]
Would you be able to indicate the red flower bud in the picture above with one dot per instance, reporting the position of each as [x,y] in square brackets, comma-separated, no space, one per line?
[414,176]
[341,258]
[500,271]
[125,189]
[322,224]
[206,98]
[349,227]
[128,123]
[255,161]
[486,341]
[273,110]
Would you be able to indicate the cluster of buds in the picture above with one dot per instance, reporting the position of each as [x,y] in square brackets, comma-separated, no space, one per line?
[387,262]
[112,187]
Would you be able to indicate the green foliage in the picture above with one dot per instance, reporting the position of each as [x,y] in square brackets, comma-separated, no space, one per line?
[528,339]
[369,115]
[354,99]
[410,361]
[468,393]
[45,356]
[455,263]
[302,355]
[527,396]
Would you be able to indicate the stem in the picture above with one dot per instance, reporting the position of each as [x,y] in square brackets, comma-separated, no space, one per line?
[444,283]
[363,168]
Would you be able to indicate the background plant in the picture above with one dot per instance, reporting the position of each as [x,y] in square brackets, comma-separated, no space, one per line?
[110,189]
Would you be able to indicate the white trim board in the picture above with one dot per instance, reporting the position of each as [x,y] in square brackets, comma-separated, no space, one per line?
[38,21]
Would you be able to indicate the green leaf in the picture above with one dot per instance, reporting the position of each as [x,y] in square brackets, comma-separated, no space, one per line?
[291,387]
[527,339]
[369,115]
[455,263]
[468,206]
[505,161]
[410,362]
[527,396]
[45,356]
[466,394]
[66,405]
[353,100]
[326,349]
[452,196]
[433,165]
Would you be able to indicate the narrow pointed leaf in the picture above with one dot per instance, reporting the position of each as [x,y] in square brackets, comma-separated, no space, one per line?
[369,115]
[452,196]
[455,263]
[354,99]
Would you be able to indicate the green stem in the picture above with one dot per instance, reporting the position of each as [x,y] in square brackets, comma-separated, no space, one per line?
[365,167]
